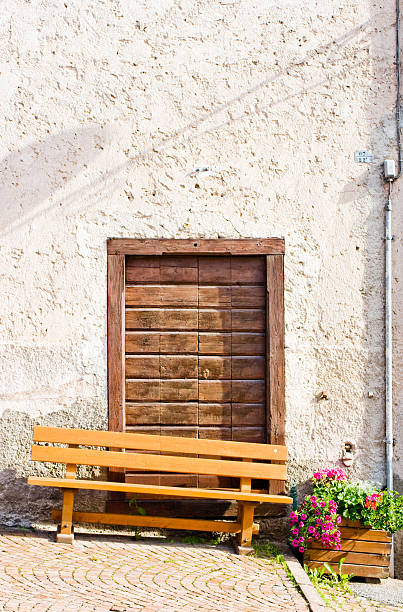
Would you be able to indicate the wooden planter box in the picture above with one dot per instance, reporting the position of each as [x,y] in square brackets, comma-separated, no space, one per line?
[366,551]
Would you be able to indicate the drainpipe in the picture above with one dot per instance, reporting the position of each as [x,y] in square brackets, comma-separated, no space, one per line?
[388,331]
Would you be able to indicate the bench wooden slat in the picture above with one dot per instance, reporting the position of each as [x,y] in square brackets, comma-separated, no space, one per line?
[100,485]
[173,444]
[163,463]
[162,522]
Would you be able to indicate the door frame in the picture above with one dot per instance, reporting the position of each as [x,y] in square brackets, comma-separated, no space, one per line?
[272,248]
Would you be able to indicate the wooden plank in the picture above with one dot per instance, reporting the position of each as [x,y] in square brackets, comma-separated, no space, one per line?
[144,366]
[167,269]
[275,377]
[334,556]
[239,391]
[178,342]
[214,433]
[142,269]
[248,343]
[214,367]
[165,390]
[248,296]
[116,271]
[248,320]
[87,437]
[236,320]
[248,270]
[214,270]
[368,571]
[362,546]
[145,390]
[98,485]
[167,480]
[157,246]
[248,434]
[165,463]
[174,269]
[248,391]
[214,391]
[236,343]
[214,296]
[162,295]
[210,320]
[162,413]
[179,366]
[252,367]
[248,414]
[161,342]
[370,535]
[214,414]
[218,482]
[146,318]
[151,521]
[154,366]
[179,390]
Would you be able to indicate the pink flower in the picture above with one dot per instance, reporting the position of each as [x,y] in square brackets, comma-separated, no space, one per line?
[313,498]
[301,524]
[295,531]
[311,529]
[301,549]
[295,543]
[338,520]
[303,517]
[314,505]
[317,511]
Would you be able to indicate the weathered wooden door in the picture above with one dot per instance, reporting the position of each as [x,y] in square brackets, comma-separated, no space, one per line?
[195,343]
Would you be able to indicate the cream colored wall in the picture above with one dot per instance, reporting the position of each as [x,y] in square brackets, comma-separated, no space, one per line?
[106,110]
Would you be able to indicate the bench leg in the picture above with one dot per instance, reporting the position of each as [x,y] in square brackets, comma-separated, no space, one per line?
[66,535]
[245,517]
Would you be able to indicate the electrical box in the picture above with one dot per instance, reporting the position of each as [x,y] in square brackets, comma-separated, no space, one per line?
[389,169]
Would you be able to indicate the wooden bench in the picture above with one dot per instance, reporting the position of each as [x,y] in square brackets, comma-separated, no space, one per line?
[241,460]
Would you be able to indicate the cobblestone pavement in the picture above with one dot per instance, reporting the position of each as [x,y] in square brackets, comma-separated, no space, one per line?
[113,573]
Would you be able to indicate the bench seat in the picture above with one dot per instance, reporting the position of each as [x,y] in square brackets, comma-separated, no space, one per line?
[101,485]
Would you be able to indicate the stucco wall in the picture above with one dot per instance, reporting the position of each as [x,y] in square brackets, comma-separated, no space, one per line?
[106,110]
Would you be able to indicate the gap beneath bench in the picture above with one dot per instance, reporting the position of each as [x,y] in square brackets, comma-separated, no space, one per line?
[162,522]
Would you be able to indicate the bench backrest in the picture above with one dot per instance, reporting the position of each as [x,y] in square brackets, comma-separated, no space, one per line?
[237,459]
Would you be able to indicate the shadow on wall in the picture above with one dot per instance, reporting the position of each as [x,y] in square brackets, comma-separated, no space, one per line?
[20,504]
[33,175]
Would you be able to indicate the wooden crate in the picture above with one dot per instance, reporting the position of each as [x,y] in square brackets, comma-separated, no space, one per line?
[366,551]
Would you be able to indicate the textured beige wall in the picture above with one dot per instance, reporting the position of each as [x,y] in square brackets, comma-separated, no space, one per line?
[107,107]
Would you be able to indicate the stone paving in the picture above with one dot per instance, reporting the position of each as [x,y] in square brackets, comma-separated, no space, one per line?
[112,573]
[109,573]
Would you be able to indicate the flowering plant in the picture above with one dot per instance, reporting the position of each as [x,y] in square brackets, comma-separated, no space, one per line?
[335,496]
[316,519]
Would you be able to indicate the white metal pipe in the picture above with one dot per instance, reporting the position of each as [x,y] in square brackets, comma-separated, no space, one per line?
[388,341]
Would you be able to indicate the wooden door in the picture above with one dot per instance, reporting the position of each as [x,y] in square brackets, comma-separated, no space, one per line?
[196,347]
